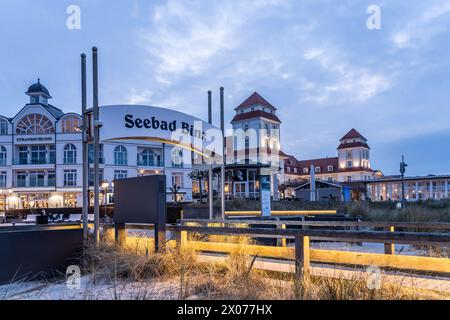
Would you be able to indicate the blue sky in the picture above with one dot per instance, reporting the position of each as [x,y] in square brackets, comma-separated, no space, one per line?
[316,61]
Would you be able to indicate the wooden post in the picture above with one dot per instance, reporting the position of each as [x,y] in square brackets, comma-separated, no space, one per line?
[120,233]
[389,248]
[281,241]
[302,262]
[181,239]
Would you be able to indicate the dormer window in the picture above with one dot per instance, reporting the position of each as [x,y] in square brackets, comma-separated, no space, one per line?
[305,170]
[330,168]
[317,169]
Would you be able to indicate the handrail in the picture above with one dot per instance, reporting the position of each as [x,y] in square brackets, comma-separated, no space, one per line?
[282,213]
[59,226]
[421,225]
[342,235]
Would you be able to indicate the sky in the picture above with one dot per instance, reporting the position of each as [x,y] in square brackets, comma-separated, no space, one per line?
[315,60]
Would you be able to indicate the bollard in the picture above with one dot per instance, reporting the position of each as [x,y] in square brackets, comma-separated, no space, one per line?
[389,248]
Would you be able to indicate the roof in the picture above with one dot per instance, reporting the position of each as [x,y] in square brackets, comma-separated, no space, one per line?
[323,163]
[353,145]
[353,134]
[255,99]
[38,88]
[255,114]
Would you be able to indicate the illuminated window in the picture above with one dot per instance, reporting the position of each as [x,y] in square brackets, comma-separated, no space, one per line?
[177,179]
[71,124]
[35,124]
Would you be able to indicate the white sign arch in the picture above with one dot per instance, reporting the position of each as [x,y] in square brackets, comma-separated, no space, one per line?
[140,122]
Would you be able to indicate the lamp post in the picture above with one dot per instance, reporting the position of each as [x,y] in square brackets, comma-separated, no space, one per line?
[403,166]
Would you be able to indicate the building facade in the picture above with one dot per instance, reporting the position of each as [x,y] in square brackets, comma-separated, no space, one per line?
[41,159]
[250,150]
[352,163]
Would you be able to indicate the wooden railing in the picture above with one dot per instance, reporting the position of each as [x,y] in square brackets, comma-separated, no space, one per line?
[302,254]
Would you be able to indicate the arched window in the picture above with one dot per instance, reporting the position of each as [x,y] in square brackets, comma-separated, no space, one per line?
[35,124]
[3,156]
[3,127]
[120,156]
[71,124]
[70,154]
[147,158]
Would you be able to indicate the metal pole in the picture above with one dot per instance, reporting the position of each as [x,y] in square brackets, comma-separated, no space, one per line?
[210,173]
[403,166]
[96,147]
[222,169]
[85,169]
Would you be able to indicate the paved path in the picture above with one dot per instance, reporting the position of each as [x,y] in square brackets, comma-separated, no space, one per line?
[441,284]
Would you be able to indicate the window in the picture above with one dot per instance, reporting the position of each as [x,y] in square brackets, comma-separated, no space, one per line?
[23,155]
[330,179]
[3,179]
[288,169]
[330,168]
[177,179]
[91,153]
[35,124]
[91,176]
[177,157]
[305,170]
[349,178]
[120,174]
[3,155]
[120,156]
[147,158]
[51,177]
[21,179]
[317,169]
[349,164]
[38,154]
[70,154]
[37,178]
[295,170]
[70,178]
[71,124]
[3,127]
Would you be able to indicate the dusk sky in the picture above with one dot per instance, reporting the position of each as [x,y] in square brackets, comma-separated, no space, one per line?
[316,61]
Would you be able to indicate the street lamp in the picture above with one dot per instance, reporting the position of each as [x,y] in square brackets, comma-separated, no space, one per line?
[105,185]
[403,166]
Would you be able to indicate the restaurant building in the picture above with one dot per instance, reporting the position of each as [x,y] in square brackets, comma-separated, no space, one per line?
[41,159]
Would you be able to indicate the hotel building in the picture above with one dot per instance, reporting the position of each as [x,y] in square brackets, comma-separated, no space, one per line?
[351,164]
[41,159]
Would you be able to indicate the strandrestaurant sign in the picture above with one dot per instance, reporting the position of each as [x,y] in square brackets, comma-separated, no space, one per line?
[137,122]
[27,139]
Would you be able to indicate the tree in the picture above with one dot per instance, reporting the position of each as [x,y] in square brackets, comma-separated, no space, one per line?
[199,176]
[174,191]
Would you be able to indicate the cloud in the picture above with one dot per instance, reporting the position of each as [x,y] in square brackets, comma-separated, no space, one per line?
[421,28]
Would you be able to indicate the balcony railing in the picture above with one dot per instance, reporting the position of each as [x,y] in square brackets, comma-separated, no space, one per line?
[149,163]
[26,162]
[34,184]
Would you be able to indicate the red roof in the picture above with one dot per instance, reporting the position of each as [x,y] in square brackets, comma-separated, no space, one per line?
[255,99]
[353,145]
[353,134]
[255,114]
[322,163]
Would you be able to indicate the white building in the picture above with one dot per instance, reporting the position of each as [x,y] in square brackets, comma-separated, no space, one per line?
[41,158]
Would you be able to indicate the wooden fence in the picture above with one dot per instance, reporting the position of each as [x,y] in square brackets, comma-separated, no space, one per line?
[301,252]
